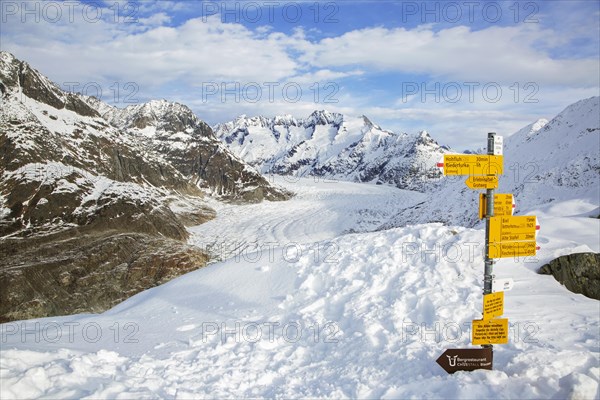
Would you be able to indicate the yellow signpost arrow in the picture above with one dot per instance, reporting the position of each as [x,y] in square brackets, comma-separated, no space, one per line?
[472,164]
[517,237]
[512,249]
[482,182]
[513,228]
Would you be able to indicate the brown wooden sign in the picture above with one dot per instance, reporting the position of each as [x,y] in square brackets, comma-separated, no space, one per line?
[466,359]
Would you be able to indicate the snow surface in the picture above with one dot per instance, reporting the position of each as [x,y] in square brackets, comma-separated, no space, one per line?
[315,311]
[322,209]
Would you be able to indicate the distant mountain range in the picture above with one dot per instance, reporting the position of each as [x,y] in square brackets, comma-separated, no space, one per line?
[336,146]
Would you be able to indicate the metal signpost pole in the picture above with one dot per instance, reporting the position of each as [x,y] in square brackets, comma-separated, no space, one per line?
[489,198]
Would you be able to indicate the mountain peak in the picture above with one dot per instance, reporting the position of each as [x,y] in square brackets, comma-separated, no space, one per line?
[368,122]
[285,119]
[323,117]
[160,114]
[18,76]
[7,58]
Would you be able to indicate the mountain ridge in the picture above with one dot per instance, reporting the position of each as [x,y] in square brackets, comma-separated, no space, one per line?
[332,145]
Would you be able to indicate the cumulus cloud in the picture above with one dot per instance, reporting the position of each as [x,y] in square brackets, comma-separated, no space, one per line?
[171,51]
[205,48]
[149,53]
[494,54]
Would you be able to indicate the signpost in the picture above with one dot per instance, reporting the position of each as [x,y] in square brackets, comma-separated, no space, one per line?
[513,229]
[504,205]
[512,249]
[453,360]
[489,207]
[472,164]
[494,331]
[505,236]
[482,182]
[514,224]
[493,305]
[498,145]
[502,285]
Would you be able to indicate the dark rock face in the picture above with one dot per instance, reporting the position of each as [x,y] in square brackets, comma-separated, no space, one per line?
[84,270]
[37,88]
[224,174]
[580,273]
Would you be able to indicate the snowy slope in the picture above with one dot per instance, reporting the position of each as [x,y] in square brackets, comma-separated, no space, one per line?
[321,210]
[362,315]
[334,146]
[556,161]
[546,164]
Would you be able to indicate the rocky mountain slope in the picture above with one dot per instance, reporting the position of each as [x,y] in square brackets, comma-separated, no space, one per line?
[92,210]
[189,144]
[335,146]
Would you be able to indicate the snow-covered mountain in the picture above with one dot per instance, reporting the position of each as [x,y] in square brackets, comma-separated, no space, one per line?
[545,163]
[308,301]
[189,144]
[336,146]
[73,182]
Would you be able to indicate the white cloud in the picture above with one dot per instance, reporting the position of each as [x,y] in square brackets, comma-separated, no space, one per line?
[199,50]
[494,54]
[174,60]
[205,49]
[155,20]
[324,76]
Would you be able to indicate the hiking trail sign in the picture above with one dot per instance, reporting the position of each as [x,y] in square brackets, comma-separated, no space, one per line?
[505,236]
[482,182]
[472,164]
[453,360]
[504,205]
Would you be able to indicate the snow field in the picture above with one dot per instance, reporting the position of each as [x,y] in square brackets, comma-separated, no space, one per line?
[361,315]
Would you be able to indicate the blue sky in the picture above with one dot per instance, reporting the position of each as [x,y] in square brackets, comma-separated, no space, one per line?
[457,69]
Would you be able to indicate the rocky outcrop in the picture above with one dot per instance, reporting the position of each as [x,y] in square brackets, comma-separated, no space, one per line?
[35,86]
[579,272]
[84,270]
